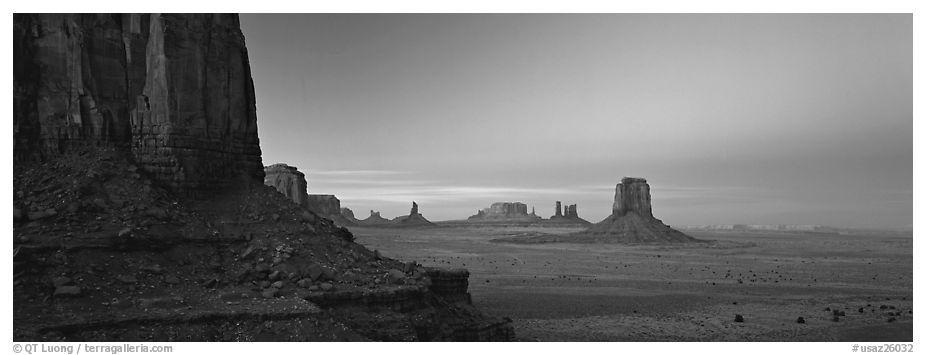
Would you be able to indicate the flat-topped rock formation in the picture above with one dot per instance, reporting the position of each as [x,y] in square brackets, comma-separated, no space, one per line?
[504,212]
[631,219]
[288,180]
[414,219]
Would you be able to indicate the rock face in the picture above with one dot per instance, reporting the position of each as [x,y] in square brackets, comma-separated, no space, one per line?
[329,206]
[174,90]
[324,205]
[414,219]
[349,215]
[504,211]
[632,195]
[287,180]
[571,212]
[632,221]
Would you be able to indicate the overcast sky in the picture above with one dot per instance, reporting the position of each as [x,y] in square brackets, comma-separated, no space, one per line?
[766,119]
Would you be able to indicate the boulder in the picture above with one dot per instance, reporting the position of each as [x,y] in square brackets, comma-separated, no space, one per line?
[315,271]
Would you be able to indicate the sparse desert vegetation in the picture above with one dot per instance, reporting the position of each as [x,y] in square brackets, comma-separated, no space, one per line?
[843,287]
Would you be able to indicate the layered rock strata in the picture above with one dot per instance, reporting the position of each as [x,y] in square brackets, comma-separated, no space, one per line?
[289,181]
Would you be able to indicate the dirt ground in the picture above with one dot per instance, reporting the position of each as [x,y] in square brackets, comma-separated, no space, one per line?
[846,287]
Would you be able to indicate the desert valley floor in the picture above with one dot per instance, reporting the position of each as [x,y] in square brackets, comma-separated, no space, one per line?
[846,287]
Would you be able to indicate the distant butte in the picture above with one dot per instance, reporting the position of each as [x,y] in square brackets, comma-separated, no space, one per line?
[631,219]
[504,212]
[631,222]
[414,219]
[374,220]
[571,216]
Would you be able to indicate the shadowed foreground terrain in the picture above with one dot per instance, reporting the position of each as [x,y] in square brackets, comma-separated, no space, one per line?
[846,287]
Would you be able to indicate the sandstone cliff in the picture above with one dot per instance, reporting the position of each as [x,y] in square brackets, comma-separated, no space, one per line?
[289,181]
[175,90]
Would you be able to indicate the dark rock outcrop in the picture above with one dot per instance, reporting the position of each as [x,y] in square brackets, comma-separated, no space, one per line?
[631,219]
[349,215]
[174,90]
[571,212]
[325,205]
[328,206]
[289,181]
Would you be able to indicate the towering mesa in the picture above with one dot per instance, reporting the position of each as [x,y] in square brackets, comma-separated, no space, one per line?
[174,90]
[632,195]
[631,219]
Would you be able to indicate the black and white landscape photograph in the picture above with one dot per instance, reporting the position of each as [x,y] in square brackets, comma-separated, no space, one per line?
[462,177]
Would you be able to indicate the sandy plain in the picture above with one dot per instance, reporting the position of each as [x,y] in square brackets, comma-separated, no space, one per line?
[846,287]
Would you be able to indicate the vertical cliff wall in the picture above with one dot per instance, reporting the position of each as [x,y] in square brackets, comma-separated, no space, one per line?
[173,90]
[289,181]
[325,205]
[632,195]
